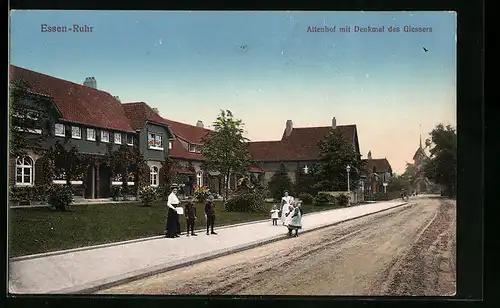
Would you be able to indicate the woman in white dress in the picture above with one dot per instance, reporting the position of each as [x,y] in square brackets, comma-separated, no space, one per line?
[286,204]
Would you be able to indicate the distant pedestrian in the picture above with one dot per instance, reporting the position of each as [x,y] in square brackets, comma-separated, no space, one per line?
[190,213]
[296,219]
[210,214]
[274,215]
[172,226]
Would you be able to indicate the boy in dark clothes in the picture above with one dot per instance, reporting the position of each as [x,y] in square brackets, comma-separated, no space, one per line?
[210,214]
[190,212]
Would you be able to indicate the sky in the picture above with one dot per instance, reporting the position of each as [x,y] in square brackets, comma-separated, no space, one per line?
[266,67]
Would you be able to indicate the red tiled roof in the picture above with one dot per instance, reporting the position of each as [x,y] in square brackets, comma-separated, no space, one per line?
[254,169]
[301,144]
[380,164]
[139,113]
[76,103]
[183,170]
[189,133]
[179,151]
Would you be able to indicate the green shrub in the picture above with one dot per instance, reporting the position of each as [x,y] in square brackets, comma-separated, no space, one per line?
[30,193]
[321,199]
[60,196]
[148,195]
[306,198]
[247,202]
[342,200]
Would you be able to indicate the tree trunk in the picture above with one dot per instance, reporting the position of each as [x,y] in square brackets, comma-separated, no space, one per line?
[226,185]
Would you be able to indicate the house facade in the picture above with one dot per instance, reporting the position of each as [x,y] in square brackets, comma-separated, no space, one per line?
[87,118]
[298,149]
[379,171]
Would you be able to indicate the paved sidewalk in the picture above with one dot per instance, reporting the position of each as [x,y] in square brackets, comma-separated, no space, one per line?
[85,271]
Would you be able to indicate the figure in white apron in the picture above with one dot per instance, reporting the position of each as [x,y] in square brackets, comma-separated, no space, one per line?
[286,204]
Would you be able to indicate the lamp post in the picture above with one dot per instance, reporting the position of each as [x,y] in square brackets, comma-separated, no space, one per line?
[385,187]
[348,169]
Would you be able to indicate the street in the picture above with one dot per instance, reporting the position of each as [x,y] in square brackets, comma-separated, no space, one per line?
[409,250]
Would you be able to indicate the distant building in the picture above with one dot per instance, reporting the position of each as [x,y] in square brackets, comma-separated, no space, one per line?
[379,171]
[421,183]
[298,148]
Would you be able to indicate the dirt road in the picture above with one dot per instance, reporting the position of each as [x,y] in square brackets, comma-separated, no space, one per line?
[405,251]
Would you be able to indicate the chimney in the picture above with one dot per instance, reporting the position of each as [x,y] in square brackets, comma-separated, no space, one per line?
[156,110]
[334,123]
[369,154]
[90,82]
[289,128]
[117,98]
[199,124]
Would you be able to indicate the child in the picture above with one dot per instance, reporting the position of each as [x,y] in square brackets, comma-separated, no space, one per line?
[190,212]
[296,219]
[274,215]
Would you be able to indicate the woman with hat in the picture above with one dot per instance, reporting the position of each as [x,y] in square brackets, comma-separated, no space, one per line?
[286,207]
[172,227]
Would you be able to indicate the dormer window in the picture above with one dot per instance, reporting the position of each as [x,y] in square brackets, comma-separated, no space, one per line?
[76,132]
[60,130]
[118,138]
[192,148]
[104,136]
[155,141]
[170,145]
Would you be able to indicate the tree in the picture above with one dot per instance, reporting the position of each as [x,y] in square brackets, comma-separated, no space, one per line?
[280,182]
[305,182]
[225,149]
[442,164]
[23,117]
[398,182]
[336,154]
[168,174]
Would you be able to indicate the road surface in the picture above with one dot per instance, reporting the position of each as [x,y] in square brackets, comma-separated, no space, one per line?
[405,251]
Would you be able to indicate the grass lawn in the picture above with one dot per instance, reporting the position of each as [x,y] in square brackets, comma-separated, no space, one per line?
[37,230]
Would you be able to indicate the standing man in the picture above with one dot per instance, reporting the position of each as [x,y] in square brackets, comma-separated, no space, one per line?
[172,226]
[210,214]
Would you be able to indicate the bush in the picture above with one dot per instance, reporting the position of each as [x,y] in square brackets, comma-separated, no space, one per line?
[322,199]
[342,200]
[60,196]
[248,202]
[148,195]
[306,198]
[31,193]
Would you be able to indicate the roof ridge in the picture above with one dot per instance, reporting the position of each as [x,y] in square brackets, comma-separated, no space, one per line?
[187,124]
[53,77]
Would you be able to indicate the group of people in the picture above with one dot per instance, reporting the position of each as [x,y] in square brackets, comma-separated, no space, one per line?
[175,210]
[289,214]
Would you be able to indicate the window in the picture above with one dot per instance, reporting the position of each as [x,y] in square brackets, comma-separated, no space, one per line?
[130,139]
[91,134]
[170,144]
[118,138]
[192,148]
[131,177]
[155,141]
[198,149]
[24,171]
[104,136]
[60,130]
[27,122]
[154,176]
[199,178]
[76,132]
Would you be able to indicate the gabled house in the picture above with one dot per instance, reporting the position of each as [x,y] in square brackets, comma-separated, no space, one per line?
[79,115]
[379,171]
[298,148]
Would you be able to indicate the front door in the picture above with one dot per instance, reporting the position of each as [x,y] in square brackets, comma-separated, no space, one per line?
[104,181]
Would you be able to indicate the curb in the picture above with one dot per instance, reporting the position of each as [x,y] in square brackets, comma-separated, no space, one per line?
[156,237]
[159,269]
